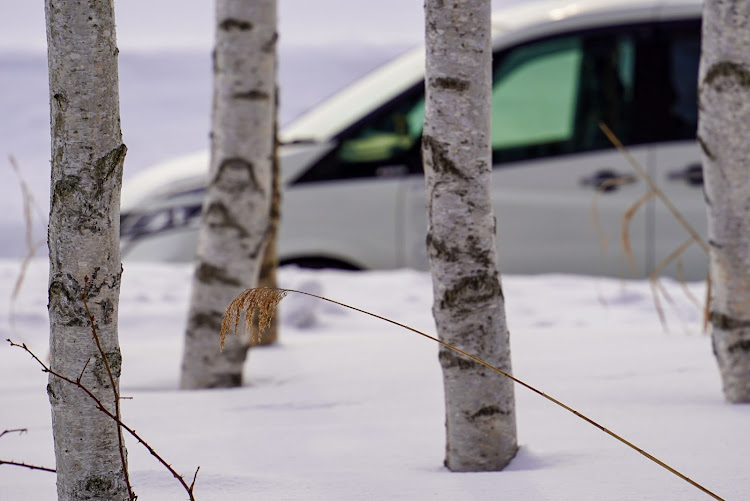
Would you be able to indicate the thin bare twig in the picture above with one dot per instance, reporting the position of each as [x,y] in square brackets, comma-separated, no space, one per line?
[21,431]
[116,419]
[264,297]
[26,465]
[115,392]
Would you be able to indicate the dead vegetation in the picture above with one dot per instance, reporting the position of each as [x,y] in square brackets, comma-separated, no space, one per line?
[262,302]
[658,290]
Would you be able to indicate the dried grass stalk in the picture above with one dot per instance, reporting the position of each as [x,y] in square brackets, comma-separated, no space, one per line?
[625,230]
[260,301]
[263,302]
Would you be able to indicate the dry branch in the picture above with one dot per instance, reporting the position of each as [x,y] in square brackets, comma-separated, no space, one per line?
[77,383]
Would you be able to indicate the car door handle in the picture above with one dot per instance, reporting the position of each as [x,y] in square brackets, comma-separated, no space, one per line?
[607,180]
[692,175]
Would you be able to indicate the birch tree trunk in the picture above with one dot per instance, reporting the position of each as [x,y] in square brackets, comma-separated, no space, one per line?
[724,122]
[468,301]
[83,238]
[235,219]
[270,263]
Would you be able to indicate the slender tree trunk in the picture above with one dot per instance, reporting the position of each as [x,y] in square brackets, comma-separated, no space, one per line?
[468,301]
[724,122]
[235,222]
[84,227]
[270,263]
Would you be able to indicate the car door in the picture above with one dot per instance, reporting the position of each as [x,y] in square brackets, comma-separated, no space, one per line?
[560,191]
[679,173]
[346,209]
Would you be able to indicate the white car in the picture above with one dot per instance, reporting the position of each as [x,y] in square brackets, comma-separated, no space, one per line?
[353,184]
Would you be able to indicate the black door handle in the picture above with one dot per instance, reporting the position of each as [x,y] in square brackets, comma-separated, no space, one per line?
[607,180]
[692,175]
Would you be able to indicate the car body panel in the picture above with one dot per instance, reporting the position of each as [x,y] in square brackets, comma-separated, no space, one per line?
[550,217]
[564,224]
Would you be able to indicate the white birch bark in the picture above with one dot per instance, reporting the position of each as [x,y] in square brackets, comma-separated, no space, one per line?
[468,301]
[84,227]
[236,209]
[724,122]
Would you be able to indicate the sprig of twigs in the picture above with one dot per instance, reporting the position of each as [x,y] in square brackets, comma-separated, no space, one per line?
[99,405]
[21,431]
[264,301]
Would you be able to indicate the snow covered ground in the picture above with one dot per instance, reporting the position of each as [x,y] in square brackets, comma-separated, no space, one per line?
[347,407]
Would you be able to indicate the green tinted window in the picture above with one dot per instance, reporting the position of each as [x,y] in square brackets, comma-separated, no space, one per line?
[535,92]
[388,136]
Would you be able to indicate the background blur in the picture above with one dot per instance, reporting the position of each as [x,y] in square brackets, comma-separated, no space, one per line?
[165,79]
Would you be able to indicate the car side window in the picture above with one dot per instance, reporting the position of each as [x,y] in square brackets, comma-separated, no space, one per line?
[548,99]
[384,144]
[534,94]
[683,49]
[550,95]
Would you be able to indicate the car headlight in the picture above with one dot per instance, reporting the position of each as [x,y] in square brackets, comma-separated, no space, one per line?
[135,226]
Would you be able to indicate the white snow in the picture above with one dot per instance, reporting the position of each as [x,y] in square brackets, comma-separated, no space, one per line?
[345,407]
[348,407]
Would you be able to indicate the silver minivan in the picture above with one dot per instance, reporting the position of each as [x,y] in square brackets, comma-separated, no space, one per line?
[354,194]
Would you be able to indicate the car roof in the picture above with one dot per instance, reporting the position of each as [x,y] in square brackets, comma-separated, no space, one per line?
[510,25]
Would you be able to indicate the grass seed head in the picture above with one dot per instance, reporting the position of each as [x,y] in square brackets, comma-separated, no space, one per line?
[259,301]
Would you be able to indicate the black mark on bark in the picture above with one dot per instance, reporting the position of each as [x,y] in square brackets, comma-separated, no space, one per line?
[51,390]
[441,162]
[449,359]
[64,188]
[61,100]
[470,290]
[114,359]
[107,309]
[727,69]
[209,274]
[251,95]
[100,486]
[485,412]
[218,216]
[450,83]
[270,45]
[210,321]
[65,303]
[235,24]
[441,250]
[724,322]
[740,346]
[472,251]
[108,166]
[236,174]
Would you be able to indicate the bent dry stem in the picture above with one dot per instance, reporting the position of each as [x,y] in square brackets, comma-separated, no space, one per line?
[263,302]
